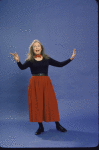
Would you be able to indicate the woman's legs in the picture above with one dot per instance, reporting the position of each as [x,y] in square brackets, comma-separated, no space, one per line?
[40,124]
[40,129]
[59,127]
[57,123]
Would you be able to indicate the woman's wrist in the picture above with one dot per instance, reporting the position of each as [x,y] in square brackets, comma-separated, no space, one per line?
[17,61]
[71,58]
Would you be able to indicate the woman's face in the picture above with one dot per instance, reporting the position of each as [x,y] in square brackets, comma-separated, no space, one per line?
[37,48]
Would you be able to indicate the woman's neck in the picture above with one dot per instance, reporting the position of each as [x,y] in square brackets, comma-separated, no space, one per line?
[39,58]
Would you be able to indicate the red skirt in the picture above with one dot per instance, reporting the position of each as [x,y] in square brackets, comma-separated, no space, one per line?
[42,100]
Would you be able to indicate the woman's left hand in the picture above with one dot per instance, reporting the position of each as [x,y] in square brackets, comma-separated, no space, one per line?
[73,55]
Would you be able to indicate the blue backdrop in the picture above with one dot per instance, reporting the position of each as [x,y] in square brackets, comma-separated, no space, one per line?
[61,26]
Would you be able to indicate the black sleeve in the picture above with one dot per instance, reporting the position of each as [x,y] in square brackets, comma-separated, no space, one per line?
[57,63]
[23,66]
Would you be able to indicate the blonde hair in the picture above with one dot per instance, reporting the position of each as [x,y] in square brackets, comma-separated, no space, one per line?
[31,53]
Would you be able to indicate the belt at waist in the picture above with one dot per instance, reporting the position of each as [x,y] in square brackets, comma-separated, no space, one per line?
[40,74]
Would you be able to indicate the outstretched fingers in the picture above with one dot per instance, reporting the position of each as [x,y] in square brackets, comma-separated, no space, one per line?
[74,51]
[15,54]
[12,54]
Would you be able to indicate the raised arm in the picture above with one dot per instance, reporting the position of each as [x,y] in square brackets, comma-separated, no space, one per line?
[20,65]
[55,63]
[23,66]
[63,63]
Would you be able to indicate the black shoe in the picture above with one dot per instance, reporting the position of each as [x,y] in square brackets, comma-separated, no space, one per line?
[39,131]
[60,128]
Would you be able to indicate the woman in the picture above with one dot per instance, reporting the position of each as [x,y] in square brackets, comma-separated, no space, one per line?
[41,96]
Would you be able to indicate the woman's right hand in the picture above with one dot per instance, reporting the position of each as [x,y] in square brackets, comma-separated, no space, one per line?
[15,56]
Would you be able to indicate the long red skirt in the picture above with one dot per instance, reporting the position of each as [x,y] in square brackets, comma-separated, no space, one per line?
[42,100]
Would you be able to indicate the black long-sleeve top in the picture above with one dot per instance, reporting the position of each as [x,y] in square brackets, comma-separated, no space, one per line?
[42,66]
